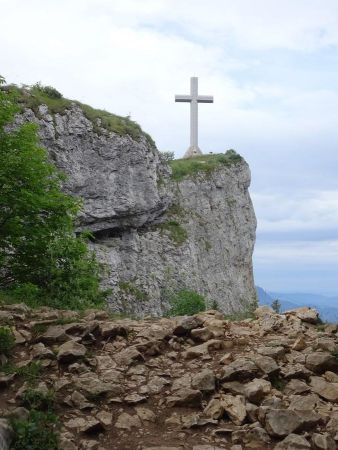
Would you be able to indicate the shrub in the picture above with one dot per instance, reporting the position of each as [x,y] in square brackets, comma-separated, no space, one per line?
[186,302]
[35,399]
[7,340]
[41,259]
[37,432]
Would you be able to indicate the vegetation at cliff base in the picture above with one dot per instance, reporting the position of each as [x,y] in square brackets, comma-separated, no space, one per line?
[186,302]
[34,96]
[182,168]
[42,261]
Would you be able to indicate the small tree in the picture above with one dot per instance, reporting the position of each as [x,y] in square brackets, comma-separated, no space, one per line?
[40,256]
[276,305]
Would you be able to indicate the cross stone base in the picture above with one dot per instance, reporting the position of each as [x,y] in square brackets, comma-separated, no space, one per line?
[192,151]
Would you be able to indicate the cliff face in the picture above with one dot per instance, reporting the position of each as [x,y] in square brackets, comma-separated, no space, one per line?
[156,235]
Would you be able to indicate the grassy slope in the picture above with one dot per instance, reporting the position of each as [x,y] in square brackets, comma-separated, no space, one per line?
[33,97]
[182,168]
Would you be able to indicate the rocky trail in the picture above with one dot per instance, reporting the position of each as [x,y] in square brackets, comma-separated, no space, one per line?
[184,383]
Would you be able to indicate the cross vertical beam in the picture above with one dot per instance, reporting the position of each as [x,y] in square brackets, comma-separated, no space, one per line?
[193,99]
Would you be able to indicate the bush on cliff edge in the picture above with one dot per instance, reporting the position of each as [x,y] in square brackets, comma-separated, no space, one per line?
[42,262]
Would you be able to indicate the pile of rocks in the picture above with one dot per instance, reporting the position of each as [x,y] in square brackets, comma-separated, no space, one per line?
[187,383]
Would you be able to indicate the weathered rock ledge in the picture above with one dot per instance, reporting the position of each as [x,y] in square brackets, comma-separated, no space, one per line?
[185,383]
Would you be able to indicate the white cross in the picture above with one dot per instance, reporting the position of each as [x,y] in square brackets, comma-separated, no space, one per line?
[194,99]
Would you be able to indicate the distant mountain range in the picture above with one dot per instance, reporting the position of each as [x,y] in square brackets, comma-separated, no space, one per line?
[326,306]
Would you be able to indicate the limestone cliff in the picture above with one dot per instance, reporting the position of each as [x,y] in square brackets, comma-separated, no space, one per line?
[157,233]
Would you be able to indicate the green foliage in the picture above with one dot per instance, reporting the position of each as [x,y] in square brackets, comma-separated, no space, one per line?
[182,168]
[49,91]
[37,432]
[7,340]
[276,305]
[130,288]
[335,353]
[30,373]
[43,262]
[167,156]
[35,399]
[186,302]
[34,96]
[176,232]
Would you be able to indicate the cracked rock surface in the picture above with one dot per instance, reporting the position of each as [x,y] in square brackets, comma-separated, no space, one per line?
[128,384]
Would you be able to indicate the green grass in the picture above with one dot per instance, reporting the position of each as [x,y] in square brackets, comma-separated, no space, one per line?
[182,168]
[34,96]
[176,232]
[30,373]
[130,288]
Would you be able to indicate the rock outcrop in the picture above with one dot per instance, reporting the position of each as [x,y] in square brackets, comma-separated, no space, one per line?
[151,384]
[157,235]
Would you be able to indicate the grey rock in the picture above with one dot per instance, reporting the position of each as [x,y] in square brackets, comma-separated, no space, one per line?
[185,397]
[293,442]
[204,381]
[239,369]
[281,422]
[319,362]
[323,442]
[70,351]
[127,193]
[186,324]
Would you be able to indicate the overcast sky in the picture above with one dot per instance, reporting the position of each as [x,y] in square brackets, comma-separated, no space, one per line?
[272,67]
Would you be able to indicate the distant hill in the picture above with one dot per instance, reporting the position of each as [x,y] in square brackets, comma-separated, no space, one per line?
[326,306]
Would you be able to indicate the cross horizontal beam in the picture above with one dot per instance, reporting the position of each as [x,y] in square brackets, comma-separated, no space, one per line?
[199,98]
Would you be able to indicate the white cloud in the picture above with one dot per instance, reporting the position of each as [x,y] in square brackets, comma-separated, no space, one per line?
[294,211]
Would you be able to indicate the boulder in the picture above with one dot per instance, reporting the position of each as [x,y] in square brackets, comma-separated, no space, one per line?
[328,391]
[185,324]
[234,406]
[293,442]
[240,369]
[127,422]
[70,351]
[185,397]
[112,329]
[256,390]
[323,442]
[305,314]
[320,362]
[281,422]
[204,381]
